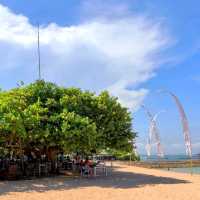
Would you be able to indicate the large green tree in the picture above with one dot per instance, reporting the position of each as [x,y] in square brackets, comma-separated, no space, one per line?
[44,115]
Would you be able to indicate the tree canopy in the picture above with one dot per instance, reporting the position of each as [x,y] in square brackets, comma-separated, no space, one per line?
[44,115]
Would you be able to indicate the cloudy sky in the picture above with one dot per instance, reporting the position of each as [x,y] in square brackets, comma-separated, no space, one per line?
[133,49]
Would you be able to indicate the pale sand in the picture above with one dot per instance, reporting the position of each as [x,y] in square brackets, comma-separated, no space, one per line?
[125,183]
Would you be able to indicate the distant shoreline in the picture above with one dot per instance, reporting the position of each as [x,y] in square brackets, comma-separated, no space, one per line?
[167,164]
[169,157]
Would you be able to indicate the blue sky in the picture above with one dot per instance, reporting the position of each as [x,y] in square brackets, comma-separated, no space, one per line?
[131,49]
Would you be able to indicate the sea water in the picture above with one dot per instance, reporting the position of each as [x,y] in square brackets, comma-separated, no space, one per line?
[168,157]
[194,170]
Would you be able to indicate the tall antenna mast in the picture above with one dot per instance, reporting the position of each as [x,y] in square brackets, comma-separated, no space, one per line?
[38,51]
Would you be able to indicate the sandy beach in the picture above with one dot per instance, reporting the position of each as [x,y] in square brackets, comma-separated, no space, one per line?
[125,182]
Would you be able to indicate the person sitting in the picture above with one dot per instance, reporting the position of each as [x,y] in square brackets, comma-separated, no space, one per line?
[87,168]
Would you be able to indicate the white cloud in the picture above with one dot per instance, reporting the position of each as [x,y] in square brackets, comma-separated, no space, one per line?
[129,98]
[116,54]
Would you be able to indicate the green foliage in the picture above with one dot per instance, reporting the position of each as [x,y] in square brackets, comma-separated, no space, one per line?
[78,133]
[126,156]
[45,115]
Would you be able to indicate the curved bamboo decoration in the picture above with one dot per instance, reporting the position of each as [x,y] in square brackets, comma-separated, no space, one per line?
[153,134]
[185,124]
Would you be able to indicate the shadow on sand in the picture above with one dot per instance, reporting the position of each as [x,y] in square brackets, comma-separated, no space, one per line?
[118,179]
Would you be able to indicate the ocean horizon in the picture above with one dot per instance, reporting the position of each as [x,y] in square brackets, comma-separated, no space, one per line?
[169,157]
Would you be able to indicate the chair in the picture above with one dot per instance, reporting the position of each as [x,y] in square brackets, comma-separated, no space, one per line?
[85,171]
[100,167]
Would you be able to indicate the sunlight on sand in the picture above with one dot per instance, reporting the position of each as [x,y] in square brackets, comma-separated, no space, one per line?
[125,182]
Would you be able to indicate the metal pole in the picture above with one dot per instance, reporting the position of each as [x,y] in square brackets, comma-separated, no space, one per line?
[38,51]
[191,166]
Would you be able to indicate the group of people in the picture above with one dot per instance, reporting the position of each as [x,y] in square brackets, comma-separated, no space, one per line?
[85,167]
[30,162]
